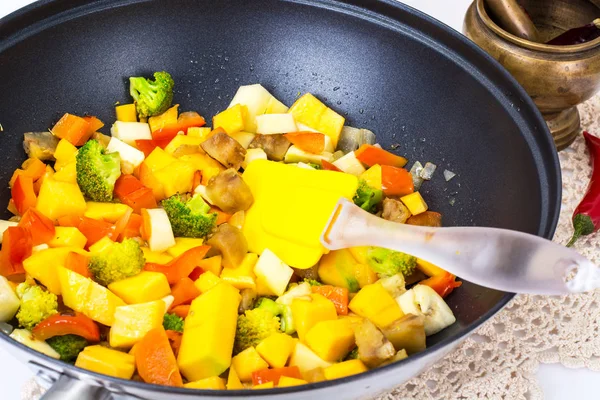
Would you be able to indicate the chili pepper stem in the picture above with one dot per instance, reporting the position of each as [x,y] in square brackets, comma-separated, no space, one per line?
[583,226]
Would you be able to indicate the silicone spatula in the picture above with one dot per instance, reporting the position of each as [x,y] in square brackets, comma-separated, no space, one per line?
[500,259]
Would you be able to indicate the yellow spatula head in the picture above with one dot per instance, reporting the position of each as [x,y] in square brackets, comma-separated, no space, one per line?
[291,208]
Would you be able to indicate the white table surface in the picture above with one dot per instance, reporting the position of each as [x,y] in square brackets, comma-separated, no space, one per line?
[557,382]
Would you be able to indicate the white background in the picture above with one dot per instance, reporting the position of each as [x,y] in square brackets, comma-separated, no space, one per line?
[557,382]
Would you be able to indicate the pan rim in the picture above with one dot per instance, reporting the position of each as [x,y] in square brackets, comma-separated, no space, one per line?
[543,147]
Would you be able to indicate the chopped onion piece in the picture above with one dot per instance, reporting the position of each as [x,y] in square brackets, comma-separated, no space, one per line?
[337,155]
[415,172]
[352,138]
[428,170]
[448,175]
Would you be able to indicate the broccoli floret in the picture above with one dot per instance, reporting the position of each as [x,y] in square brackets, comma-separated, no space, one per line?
[117,262]
[283,311]
[389,262]
[97,171]
[353,355]
[68,346]
[367,197]
[191,218]
[37,304]
[152,97]
[173,322]
[313,282]
[315,166]
[254,326]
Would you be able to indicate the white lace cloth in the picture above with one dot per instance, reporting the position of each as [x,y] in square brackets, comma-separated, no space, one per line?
[500,360]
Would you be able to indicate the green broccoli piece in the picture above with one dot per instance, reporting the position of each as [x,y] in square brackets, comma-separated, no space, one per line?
[254,326]
[389,262]
[283,311]
[173,322]
[315,166]
[366,197]
[152,97]
[68,346]
[191,218]
[313,282]
[117,262]
[37,304]
[97,171]
[353,355]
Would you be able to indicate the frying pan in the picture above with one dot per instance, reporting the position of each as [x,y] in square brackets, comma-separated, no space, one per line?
[407,77]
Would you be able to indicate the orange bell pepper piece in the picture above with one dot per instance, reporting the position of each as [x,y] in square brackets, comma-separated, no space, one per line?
[16,246]
[427,218]
[186,120]
[12,208]
[180,267]
[396,181]
[147,146]
[155,360]
[23,193]
[131,191]
[132,229]
[77,262]
[371,155]
[41,227]
[32,168]
[337,295]
[72,128]
[95,124]
[92,229]
[184,292]
[274,374]
[59,325]
[443,283]
[127,184]
[311,142]
[182,311]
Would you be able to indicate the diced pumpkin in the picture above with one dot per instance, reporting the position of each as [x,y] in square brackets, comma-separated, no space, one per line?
[144,287]
[331,340]
[213,383]
[331,124]
[247,362]
[212,264]
[64,154]
[183,140]
[176,177]
[266,385]
[276,349]
[60,199]
[106,361]
[286,381]
[199,132]
[155,257]
[67,173]
[88,297]
[110,212]
[376,304]
[212,321]
[169,117]
[182,245]
[307,313]
[233,381]
[203,162]
[306,360]
[372,176]
[415,203]
[43,265]
[231,120]
[207,281]
[344,369]
[311,111]
[126,113]
[132,322]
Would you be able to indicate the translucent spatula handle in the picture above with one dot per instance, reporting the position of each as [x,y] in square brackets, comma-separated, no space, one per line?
[496,258]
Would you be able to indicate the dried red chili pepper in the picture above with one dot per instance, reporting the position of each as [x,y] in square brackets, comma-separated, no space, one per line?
[582,34]
[586,218]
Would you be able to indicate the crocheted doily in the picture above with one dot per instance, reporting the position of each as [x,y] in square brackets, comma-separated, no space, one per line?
[499,361]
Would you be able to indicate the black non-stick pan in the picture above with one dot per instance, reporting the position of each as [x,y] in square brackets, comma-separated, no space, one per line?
[422,88]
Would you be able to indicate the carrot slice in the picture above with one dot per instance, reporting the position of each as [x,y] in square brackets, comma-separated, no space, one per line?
[72,128]
[181,311]
[155,360]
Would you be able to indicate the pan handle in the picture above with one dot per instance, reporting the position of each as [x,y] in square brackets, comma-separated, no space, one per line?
[67,388]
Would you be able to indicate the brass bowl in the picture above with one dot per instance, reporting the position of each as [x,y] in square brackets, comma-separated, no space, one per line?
[557,78]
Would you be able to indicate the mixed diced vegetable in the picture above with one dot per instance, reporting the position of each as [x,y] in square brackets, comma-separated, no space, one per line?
[167,251]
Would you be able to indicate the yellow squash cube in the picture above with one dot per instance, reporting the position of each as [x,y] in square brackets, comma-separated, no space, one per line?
[106,361]
[207,281]
[372,176]
[233,381]
[182,245]
[199,132]
[155,256]
[126,113]
[331,124]
[60,199]
[67,173]
[247,362]
[144,287]
[132,322]
[415,203]
[110,212]
[276,349]
[67,236]
[212,264]
[169,117]
[307,313]
[214,383]
[65,153]
[183,140]
[308,110]
[88,297]
[42,266]
[176,177]
[286,381]
[331,340]
[232,119]
[212,321]
[344,369]
[158,159]
[376,304]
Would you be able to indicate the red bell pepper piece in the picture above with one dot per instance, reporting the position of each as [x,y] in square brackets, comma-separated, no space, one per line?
[72,128]
[132,229]
[186,120]
[41,227]
[147,146]
[17,245]
[59,325]
[396,181]
[443,283]
[329,166]
[92,229]
[23,193]
[184,292]
[311,142]
[427,218]
[371,155]
[337,295]
[32,168]
[180,267]
[182,311]
[78,263]
[131,191]
[127,184]
[274,374]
